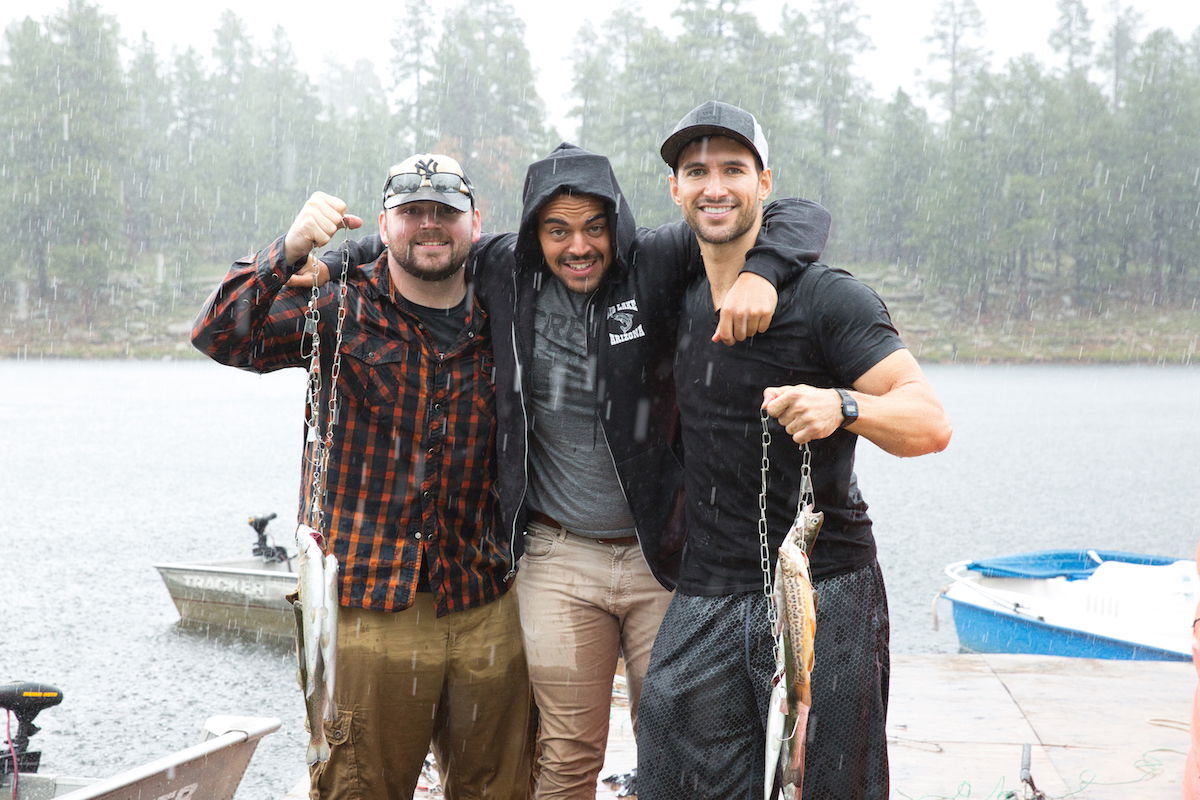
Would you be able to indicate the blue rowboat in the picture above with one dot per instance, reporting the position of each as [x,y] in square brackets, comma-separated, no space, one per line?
[1080,603]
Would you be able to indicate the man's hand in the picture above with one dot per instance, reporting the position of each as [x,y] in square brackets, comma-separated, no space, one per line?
[746,309]
[805,412]
[315,225]
[305,277]
[897,409]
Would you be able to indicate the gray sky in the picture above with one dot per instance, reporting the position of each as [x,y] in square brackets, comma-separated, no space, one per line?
[896,28]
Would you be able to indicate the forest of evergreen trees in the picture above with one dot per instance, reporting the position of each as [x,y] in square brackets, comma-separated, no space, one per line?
[1083,173]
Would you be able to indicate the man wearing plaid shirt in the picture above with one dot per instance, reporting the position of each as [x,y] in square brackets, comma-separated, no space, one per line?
[429,644]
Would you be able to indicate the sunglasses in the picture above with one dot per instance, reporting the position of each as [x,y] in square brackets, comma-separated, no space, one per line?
[442,182]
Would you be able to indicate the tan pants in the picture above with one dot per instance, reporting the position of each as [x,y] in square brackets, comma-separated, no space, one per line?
[407,679]
[582,605]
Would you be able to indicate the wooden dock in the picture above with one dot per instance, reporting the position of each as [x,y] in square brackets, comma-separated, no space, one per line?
[957,725]
[1098,729]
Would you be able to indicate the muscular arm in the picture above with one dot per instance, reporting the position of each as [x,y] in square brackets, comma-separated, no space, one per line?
[897,409]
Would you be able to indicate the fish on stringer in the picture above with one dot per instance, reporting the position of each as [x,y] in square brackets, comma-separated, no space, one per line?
[316,637]
[795,636]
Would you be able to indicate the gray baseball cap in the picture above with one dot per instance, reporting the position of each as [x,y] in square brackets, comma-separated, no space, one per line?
[715,118]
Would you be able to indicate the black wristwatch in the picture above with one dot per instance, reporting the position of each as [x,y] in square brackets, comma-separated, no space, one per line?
[849,408]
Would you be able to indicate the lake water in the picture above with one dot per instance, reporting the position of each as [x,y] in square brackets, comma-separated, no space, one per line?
[109,467]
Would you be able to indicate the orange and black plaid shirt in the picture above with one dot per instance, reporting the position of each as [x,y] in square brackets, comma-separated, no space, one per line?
[411,476]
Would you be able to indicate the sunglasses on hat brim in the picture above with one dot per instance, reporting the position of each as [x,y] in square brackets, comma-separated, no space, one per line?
[442,182]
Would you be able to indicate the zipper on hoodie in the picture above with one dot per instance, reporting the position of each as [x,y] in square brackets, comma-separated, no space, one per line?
[520,380]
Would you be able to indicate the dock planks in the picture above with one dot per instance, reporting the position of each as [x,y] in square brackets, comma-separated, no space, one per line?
[1100,730]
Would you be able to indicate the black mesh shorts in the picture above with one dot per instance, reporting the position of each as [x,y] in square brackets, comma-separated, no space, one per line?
[702,717]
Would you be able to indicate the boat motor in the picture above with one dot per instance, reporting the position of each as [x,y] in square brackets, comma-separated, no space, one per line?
[268,552]
[25,700]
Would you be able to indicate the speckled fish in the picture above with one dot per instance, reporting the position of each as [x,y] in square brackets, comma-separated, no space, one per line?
[312,635]
[791,693]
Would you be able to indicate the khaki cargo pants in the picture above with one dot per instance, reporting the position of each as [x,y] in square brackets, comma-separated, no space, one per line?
[408,679]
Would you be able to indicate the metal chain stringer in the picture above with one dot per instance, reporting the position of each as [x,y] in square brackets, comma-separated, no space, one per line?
[764,548]
[321,443]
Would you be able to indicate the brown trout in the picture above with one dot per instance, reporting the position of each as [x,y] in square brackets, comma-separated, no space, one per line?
[791,693]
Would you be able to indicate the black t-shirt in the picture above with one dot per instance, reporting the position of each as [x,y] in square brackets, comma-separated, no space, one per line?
[445,325]
[828,330]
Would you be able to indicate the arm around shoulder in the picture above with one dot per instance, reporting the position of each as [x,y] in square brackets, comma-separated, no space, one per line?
[793,233]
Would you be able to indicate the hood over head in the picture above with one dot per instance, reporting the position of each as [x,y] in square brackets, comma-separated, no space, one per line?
[577,171]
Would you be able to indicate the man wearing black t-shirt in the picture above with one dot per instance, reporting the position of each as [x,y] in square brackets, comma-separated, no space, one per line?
[829,369]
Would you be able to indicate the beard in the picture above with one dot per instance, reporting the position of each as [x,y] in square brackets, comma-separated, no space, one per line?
[721,233]
[430,268]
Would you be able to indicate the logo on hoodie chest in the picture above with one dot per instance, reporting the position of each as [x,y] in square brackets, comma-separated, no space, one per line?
[623,323]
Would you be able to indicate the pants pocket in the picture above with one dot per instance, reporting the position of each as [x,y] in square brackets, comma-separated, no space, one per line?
[339,776]
[539,546]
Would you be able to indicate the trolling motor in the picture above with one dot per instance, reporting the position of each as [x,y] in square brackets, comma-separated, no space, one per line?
[269,552]
[25,700]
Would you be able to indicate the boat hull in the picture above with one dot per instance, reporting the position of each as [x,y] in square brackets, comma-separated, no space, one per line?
[211,770]
[984,630]
[241,595]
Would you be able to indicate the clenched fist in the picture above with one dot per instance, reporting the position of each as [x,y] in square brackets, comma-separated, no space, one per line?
[315,225]
[805,412]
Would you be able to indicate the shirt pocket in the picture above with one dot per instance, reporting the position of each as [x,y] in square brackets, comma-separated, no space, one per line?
[484,380]
[373,373]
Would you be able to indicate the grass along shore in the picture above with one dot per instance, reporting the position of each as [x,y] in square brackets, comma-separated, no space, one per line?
[138,318]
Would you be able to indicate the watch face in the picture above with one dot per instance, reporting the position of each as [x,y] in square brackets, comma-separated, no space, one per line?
[849,408]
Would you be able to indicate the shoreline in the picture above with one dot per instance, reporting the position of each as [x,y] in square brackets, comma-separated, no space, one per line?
[933,326]
[983,347]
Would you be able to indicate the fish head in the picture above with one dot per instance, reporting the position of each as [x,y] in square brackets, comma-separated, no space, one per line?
[810,526]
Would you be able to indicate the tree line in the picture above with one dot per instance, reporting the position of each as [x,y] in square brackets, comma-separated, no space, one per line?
[1084,172]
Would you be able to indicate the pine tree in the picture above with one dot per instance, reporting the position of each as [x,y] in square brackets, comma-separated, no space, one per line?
[958,31]
[87,228]
[489,115]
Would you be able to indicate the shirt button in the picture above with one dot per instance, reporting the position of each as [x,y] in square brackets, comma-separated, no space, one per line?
[417,535]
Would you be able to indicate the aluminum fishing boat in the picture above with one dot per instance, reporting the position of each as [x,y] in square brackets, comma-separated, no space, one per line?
[209,770]
[244,595]
[1081,603]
